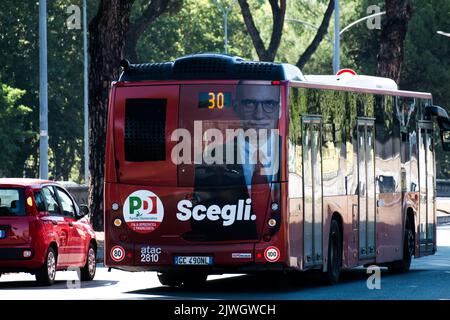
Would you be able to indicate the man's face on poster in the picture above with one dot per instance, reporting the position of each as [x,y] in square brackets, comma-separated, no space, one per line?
[258,106]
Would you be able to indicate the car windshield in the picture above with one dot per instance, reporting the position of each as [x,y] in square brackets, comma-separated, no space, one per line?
[12,202]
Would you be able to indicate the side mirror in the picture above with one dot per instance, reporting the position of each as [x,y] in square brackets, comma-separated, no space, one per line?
[84,210]
[445,139]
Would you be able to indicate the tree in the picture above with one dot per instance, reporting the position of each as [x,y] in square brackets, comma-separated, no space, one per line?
[278,14]
[321,32]
[107,32]
[197,27]
[390,56]
[20,69]
[12,130]
[106,42]
[149,14]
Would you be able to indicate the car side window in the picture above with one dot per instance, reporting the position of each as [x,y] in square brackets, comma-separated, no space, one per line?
[66,203]
[40,203]
[51,200]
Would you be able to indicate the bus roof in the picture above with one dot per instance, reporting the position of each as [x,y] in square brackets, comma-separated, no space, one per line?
[350,80]
[210,66]
[214,66]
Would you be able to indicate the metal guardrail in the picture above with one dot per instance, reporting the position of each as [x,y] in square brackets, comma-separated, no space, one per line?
[442,188]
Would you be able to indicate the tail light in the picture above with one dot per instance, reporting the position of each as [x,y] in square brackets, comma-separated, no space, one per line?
[30,207]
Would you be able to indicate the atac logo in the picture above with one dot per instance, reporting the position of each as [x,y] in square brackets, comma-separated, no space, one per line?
[143,211]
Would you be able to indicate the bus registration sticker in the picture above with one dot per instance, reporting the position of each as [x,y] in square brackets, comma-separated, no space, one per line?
[143,211]
[272,254]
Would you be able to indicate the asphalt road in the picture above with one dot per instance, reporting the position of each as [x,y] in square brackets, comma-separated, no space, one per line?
[429,278]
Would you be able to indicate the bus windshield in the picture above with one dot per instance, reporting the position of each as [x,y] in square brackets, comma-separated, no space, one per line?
[228,135]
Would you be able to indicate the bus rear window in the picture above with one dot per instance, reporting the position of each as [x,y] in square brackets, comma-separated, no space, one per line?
[12,202]
[145,135]
[233,132]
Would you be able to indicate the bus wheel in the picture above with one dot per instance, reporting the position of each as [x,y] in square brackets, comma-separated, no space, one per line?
[403,265]
[334,255]
[170,279]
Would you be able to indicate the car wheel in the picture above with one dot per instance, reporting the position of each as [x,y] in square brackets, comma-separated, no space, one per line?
[403,265]
[334,263]
[47,273]
[88,271]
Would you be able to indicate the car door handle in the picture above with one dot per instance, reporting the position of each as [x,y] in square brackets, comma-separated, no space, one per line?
[71,224]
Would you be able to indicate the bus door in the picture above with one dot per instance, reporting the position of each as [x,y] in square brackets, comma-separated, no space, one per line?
[366,187]
[312,190]
[426,187]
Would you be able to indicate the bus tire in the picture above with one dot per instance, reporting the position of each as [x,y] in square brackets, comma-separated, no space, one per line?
[403,265]
[170,279]
[334,261]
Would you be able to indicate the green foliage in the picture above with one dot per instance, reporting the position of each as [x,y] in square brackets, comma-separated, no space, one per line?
[426,66]
[196,27]
[19,31]
[12,130]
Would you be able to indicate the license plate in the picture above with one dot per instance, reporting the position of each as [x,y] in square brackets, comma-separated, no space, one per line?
[193,260]
[2,233]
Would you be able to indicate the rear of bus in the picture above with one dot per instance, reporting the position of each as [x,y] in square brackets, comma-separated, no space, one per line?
[195,167]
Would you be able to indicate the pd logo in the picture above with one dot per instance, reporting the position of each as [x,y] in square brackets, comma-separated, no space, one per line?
[143,211]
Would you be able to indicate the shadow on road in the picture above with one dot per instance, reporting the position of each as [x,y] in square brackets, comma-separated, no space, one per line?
[264,286]
[58,285]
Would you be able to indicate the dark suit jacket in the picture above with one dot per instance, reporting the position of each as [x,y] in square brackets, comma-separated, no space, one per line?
[221,185]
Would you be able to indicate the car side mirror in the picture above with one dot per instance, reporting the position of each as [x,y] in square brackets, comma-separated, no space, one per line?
[84,210]
[445,139]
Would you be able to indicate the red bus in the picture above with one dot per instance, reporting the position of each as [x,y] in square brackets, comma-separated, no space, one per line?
[219,165]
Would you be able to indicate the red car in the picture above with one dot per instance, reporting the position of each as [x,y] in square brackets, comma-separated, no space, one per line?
[42,230]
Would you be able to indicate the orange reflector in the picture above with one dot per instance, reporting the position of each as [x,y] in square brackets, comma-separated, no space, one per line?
[30,201]
[117,222]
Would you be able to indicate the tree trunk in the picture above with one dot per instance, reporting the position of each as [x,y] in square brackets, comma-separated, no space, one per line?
[151,12]
[321,32]
[106,41]
[390,56]
[278,14]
